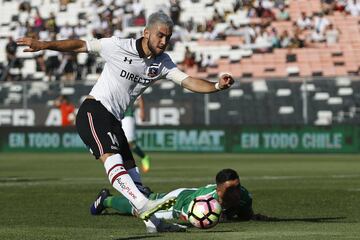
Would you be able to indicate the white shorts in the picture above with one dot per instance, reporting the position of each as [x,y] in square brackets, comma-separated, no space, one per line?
[128,125]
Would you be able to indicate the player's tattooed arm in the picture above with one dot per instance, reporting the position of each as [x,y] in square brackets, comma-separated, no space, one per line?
[71,45]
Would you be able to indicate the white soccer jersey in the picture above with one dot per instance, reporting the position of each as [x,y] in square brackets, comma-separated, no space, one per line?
[127,72]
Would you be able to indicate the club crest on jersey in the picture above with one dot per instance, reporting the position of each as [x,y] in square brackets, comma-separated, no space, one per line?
[153,70]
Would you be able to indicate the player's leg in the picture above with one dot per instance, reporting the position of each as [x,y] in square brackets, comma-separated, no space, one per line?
[128,125]
[122,205]
[129,161]
[94,124]
[130,166]
[156,224]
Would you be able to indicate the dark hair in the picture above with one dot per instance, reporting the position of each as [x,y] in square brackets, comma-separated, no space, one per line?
[231,197]
[63,98]
[232,208]
[226,175]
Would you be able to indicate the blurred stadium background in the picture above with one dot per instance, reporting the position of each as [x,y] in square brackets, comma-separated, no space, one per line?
[297,90]
[296,65]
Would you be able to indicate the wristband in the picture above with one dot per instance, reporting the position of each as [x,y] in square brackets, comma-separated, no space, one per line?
[217,86]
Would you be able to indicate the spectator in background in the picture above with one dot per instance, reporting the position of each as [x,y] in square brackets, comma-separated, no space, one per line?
[332,35]
[51,23]
[263,11]
[207,62]
[52,62]
[282,15]
[250,11]
[63,5]
[44,34]
[320,25]
[232,29]
[340,5]
[237,5]
[249,33]
[90,63]
[66,32]
[263,41]
[140,20]
[199,62]
[21,30]
[175,11]
[80,31]
[11,48]
[68,66]
[118,32]
[217,17]
[353,7]
[67,110]
[25,6]
[39,56]
[320,22]
[137,8]
[213,33]
[259,9]
[278,3]
[28,27]
[12,61]
[285,39]
[328,6]
[303,22]
[274,38]
[189,58]
[38,21]
[190,25]
[297,41]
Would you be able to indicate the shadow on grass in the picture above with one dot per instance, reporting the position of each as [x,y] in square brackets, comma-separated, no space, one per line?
[138,237]
[105,213]
[22,179]
[156,236]
[310,219]
[211,231]
[315,219]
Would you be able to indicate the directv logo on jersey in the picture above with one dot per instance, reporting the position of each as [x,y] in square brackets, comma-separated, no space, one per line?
[134,78]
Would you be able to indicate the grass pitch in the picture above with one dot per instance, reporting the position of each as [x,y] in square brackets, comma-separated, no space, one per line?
[47,196]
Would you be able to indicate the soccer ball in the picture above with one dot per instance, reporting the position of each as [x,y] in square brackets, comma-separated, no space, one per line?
[204,212]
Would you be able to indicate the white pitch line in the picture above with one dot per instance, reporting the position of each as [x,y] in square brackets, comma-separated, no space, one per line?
[354,189]
[102,180]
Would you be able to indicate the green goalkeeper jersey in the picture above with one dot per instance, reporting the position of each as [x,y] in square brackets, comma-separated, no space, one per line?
[129,112]
[185,197]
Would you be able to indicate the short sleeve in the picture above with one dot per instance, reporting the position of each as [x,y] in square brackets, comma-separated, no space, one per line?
[104,46]
[171,71]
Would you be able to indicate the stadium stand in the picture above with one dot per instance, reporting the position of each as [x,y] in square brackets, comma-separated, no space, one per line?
[278,43]
[248,38]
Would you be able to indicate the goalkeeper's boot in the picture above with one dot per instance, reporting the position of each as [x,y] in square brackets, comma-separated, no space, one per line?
[166,227]
[145,164]
[98,206]
[152,206]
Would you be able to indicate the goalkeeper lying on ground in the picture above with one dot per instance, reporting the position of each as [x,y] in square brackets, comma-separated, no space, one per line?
[235,200]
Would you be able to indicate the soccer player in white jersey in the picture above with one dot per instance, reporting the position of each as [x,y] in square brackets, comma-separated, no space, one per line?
[131,66]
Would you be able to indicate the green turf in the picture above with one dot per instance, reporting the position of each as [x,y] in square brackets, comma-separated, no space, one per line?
[47,196]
